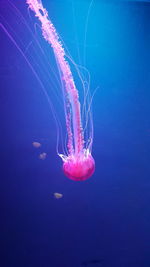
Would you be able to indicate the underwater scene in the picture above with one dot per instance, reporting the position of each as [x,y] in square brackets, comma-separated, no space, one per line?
[75,133]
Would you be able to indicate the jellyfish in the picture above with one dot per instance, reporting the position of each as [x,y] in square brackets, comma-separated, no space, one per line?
[58,195]
[36,144]
[78,163]
[42,156]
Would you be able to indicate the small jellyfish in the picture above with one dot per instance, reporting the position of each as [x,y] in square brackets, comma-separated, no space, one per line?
[58,195]
[42,156]
[36,144]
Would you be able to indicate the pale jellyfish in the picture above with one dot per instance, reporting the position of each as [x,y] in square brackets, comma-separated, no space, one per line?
[36,144]
[58,195]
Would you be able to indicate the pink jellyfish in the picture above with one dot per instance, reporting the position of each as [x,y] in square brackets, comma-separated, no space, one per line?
[78,164]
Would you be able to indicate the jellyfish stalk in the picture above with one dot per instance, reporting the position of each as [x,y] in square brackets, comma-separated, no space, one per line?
[78,164]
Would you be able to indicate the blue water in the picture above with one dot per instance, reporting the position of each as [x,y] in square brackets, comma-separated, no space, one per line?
[105,220]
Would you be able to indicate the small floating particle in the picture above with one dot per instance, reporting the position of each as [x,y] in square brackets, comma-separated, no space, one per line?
[36,144]
[58,195]
[42,156]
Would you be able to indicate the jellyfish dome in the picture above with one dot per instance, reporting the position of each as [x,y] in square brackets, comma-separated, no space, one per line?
[79,168]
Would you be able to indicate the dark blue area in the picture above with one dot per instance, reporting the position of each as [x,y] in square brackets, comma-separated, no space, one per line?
[105,220]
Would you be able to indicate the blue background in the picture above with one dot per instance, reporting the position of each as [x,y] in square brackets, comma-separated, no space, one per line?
[106,218]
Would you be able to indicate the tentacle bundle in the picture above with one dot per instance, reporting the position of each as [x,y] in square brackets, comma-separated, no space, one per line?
[79,164]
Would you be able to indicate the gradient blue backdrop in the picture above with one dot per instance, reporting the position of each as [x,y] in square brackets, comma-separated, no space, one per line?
[106,218]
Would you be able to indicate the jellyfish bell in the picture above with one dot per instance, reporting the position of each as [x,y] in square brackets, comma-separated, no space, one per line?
[79,167]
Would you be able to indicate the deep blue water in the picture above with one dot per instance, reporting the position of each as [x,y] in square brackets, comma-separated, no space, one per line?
[104,221]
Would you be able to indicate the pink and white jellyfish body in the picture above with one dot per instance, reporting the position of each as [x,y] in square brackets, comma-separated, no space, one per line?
[78,164]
